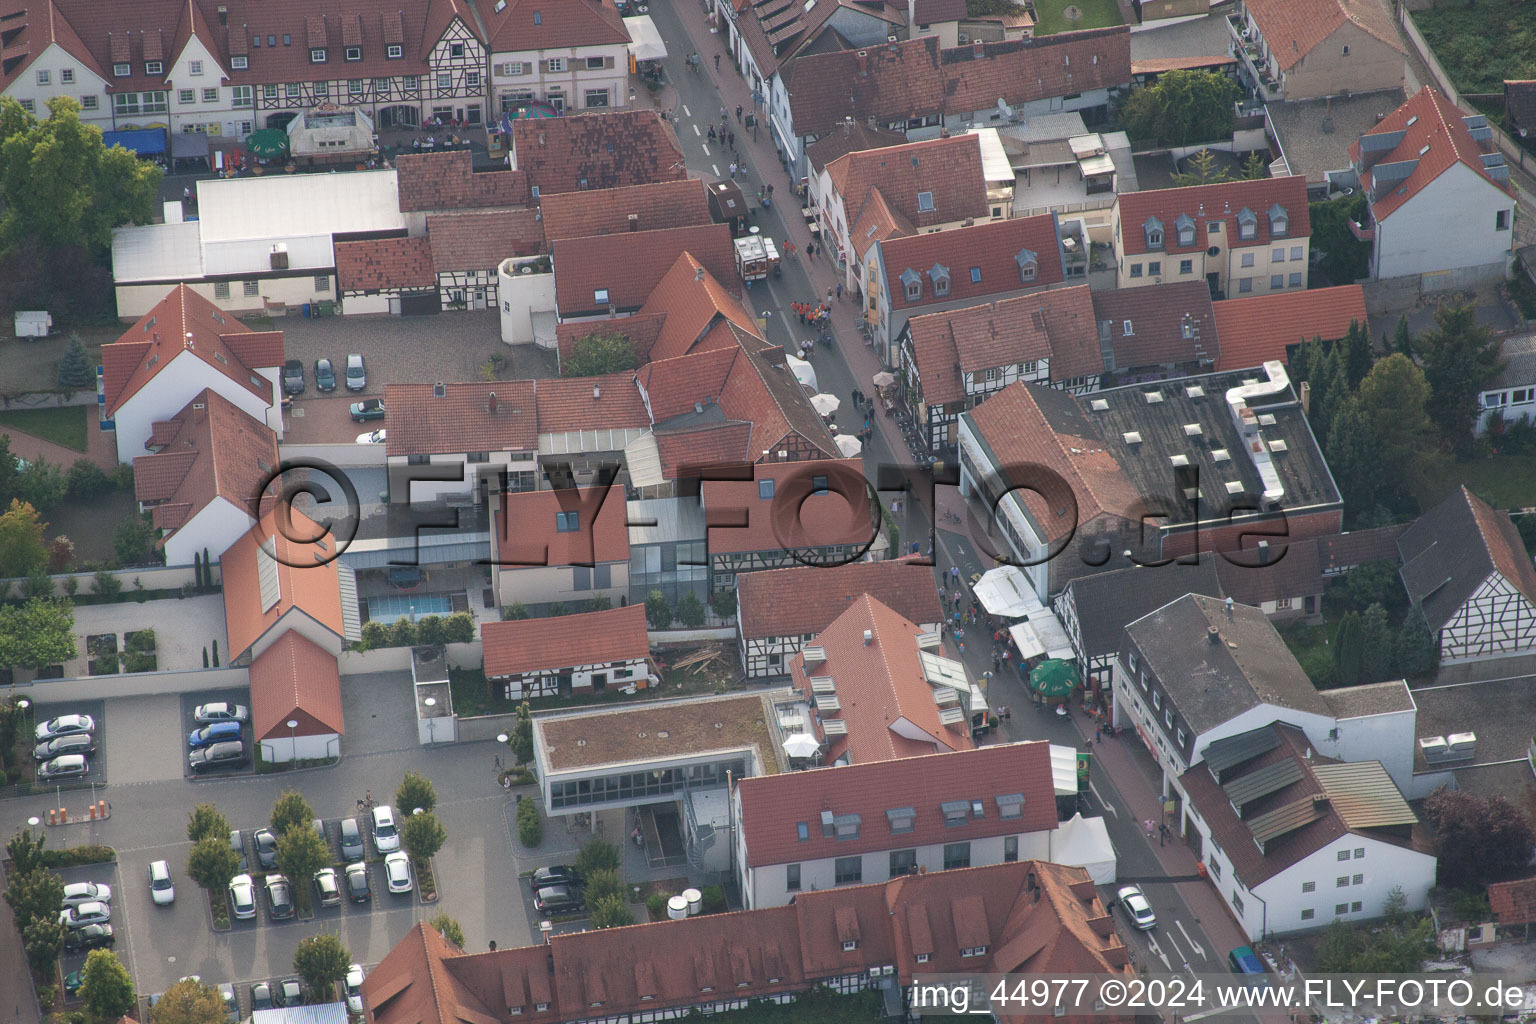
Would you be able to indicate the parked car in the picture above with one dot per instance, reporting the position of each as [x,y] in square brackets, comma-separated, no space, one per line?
[358,890]
[218,732]
[373,436]
[289,993]
[77,893]
[266,847]
[556,874]
[242,897]
[220,711]
[351,840]
[161,889]
[228,754]
[72,982]
[328,889]
[64,725]
[78,743]
[1136,906]
[357,374]
[231,1004]
[293,377]
[557,899]
[368,409]
[352,986]
[385,835]
[94,912]
[397,871]
[325,375]
[69,766]
[279,897]
[261,996]
[238,845]
[92,936]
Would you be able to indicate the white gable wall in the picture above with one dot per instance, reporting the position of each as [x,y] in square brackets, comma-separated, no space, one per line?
[213,529]
[53,62]
[1279,902]
[1448,225]
[168,392]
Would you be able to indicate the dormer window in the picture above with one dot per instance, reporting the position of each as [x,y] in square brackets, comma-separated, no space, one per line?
[1247,223]
[925,202]
[939,275]
[155,67]
[1185,225]
[354,53]
[1278,220]
[912,284]
[849,945]
[122,70]
[239,63]
[395,52]
[567,522]
[922,958]
[765,488]
[317,56]
[1029,265]
[600,296]
[1154,229]
[974,951]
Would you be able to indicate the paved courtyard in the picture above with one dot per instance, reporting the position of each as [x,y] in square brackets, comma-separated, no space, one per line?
[182,629]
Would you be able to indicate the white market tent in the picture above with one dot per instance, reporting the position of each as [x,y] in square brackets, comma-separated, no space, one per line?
[645,38]
[1084,843]
[1064,770]
[1042,633]
[1006,591]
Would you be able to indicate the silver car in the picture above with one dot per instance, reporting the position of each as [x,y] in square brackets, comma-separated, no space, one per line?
[77,893]
[64,725]
[242,897]
[95,912]
[357,375]
[220,711]
[1136,906]
[352,985]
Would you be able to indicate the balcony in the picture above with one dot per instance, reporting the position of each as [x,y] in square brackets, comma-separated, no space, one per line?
[1250,53]
[1365,232]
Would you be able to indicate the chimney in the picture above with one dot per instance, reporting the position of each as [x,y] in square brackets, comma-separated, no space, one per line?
[978,50]
[869,637]
[1229,606]
[911,18]
[1306,397]
[634,222]
[597,392]
[1213,635]
[439,390]
[490,403]
[541,138]
[1263,552]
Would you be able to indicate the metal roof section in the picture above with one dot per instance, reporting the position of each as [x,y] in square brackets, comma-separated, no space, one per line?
[1282,821]
[1234,750]
[1262,782]
[1364,795]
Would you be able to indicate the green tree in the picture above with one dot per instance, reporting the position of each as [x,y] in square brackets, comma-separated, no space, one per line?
[430,630]
[1481,839]
[43,940]
[24,849]
[42,484]
[402,632]
[189,1001]
[603,882]
[658,612]
[522,735]
[22,551]
[597,603]
[1181,108]
[321,960]
[1347,651]
[1377,645]
[207,820]
[459,628]
[1255,166]
[300,853]
[75,369]
[36,895]
[690,611]
[61,186]
[212,862]
[38,633]
[597,855]
[448,928]
[611,912]
[375,635]
[1341,256]
[724,601]
[107,585]
[513,611]
[1460,358]
[1204,169]
[1394,397]
[530,823]
[422,835]
[105,985]
[1373,583]
[1352,457]
[1417,652]
[290,811]
[597,354]
[1402,341]
[39,584]
[1356,356]
[416,790]
[10,469]
[133,540]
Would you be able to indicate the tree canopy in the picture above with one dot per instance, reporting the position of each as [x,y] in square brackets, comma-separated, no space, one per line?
[597,354]
[1181,108]
[1460,357]
[422,835]
[189,1001]
[212,863]
[290,811]
[207,820]
[300,853]
[105,986]
[321,960]
[1482,839]
[1204,169]
[22,550]
[1341,256]
[449,929]
[416,790]
[37,633]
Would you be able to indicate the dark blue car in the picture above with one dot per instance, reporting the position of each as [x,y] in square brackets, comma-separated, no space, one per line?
[215,733]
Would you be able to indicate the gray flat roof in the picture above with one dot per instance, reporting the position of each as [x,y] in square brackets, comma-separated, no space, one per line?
[1310,151]
[1500,712]
[654,730]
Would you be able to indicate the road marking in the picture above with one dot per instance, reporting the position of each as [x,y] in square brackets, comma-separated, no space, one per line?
[706,148]
[1159,951]
[696,130]
[1177,952]
[716,169]
[1195,945]
[687,113]
[1102,802]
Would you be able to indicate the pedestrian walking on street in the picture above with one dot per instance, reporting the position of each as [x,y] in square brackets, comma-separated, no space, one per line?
[733,168]
[717,65]
[839,290]
[1097,732]
[730,140]
[829,293]
[711,133]
[738,111]
[723,112]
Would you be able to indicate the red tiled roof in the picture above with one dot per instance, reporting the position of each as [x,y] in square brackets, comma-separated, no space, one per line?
[446,181]
[520,25]
[993,249]
[378,264]
[629,266]
[1257,329]
[421,423]
[1056,325]
[740,520]
[528,535]
[878,685]
[850,139]
[610,402]
[930,12]
[1346,550]
[211,448]
[685,450]
[607,211]
[672,386]
[1295,570]
[520,646]
[295,680]
[948,169]
[807,598]
[1207,204]
[1169,324]
[771,805]
[481,240]
[308,578]
[1513,902]
[1435,139]
[1293,28]
[186,325]
[40,25]
[596,151]
[642,332]
[693,299]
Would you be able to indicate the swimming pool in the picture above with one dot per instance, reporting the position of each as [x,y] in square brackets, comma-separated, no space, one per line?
[386,608]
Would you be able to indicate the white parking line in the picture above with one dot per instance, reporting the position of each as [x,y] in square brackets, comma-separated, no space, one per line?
[705,145]
[716,169]
[696,130]
[687,113]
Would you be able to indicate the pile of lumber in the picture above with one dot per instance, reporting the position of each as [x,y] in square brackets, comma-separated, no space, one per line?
[700,659]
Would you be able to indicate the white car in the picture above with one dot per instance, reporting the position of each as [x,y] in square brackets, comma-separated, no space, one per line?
[86,913]
[220,711]
[397,871]
[1135,903]
[352,985]
[385,835]
[372,437]
[161,888]
[65,725]
[77,893]
[242,897]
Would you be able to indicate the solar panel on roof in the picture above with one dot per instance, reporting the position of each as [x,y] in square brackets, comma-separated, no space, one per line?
[1263,781]
[1232,751]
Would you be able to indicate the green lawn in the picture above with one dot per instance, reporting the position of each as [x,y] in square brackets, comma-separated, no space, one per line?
[66,426]
[1480,43]
[1095,14]
[1504,481]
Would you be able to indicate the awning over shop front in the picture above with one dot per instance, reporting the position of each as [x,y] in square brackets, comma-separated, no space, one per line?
[1042,634]
[143,141]
[189,145]
[1006,591]
[645,39]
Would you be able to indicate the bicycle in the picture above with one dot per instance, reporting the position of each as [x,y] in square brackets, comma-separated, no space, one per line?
[950,516]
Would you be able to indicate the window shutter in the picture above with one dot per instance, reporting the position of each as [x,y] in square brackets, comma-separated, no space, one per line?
[608,62]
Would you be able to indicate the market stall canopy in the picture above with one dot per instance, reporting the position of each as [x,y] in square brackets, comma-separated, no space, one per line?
[1054,678]
[189,145]
[645,38]
[849,445]
[825,405]
[268,142]
[1006,591]
[884,379]
[143,141]
[1084,843]
[1042,633]
[803,371]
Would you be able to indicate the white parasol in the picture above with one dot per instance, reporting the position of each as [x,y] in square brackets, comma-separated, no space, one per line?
[849,445]
[884,379]
[802,370]
[801,745]
[825,405]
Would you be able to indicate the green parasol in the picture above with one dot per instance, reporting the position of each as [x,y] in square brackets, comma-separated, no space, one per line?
[268,142]
[1054,678]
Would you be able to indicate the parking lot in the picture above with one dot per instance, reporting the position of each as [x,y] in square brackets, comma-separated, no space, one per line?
[156,747]
[189,724]
[97,759]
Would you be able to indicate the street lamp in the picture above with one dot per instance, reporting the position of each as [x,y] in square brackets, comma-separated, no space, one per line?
[431,702]
[293,739]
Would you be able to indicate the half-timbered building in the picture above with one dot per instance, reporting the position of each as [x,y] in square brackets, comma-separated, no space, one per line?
[468,246]
[576,654]
[779,611]
[1465,565]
